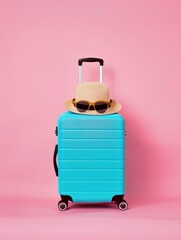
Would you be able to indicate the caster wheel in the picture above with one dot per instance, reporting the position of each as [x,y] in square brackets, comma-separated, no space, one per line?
[62,206]
[122,205]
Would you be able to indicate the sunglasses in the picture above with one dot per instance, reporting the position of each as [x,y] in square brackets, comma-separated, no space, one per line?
[99,106]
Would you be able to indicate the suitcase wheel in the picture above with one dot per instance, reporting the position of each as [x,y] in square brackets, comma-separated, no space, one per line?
[62,206]
[122,205]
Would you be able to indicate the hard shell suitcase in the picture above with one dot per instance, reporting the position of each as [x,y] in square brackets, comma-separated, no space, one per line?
[91,159]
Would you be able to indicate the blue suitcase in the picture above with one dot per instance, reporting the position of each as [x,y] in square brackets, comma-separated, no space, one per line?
[91,158]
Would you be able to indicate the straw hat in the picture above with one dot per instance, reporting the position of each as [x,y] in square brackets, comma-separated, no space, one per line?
[92,92]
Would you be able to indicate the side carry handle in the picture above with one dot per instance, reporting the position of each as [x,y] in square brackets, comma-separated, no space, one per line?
[54,160]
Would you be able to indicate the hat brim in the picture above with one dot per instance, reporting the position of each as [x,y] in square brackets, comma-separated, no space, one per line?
[115,107]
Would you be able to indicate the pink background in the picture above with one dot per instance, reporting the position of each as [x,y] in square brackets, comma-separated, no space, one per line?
[40,43]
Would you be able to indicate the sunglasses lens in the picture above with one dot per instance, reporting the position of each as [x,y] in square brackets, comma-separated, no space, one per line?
[82,106]
[101,107]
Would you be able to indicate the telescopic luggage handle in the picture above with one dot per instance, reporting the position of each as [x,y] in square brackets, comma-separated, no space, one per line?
[90,59]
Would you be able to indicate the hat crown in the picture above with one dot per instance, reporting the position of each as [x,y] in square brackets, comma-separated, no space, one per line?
[92,91]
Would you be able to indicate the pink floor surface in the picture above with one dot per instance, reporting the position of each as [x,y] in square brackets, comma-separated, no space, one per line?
[40,219]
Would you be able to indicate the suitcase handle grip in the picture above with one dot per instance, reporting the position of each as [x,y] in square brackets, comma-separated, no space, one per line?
[90,59]
[54,159]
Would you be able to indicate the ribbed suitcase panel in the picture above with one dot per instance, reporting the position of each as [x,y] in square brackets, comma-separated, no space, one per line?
[92,143]
[92,174]
[91,156]
[77,134]
[92,164]
[92,124]
[90,186]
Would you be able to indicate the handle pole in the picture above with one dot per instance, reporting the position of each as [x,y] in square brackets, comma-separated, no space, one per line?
[80,74]
[101,74]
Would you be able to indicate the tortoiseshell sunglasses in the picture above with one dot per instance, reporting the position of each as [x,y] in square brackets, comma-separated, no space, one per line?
[99,106]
